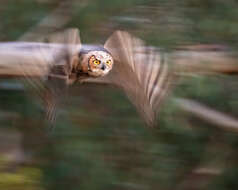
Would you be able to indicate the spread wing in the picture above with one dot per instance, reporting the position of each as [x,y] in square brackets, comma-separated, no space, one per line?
[68,43]
[44,65]
[142,72]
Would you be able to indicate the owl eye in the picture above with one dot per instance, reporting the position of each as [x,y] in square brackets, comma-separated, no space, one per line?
[96,62]
[108,62]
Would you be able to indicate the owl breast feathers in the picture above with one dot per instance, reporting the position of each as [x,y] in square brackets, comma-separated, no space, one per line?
[124,61]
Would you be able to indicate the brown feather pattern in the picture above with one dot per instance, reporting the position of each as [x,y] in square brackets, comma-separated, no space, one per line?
[141,72]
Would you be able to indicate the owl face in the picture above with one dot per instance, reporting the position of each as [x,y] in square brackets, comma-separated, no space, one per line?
[99,63]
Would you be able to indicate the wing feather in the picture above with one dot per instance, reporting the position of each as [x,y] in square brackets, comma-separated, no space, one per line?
[143,73]
[62,62]
[43,66]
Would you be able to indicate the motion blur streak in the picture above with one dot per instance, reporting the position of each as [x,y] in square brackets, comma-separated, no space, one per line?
[99,141]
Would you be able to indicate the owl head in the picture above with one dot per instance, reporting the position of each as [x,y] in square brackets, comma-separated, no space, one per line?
[96,63]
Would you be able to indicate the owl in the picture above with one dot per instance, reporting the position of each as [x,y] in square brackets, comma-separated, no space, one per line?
[124,61]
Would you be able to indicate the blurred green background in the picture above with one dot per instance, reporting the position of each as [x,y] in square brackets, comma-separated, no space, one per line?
[99,141]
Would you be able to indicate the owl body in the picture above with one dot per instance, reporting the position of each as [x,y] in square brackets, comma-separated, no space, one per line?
[88,62]
[123,61]
[96,61]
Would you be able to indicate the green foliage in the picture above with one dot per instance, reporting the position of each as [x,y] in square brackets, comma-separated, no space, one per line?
[24,178]
[19,16]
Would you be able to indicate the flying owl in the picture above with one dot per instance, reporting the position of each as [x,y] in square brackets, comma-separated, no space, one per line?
[124,61]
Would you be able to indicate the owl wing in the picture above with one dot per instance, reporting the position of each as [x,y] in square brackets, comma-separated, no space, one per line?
[44,67]
[142,72]
[64,46]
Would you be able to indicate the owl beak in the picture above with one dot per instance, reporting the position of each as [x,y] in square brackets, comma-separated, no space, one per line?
[103,67]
